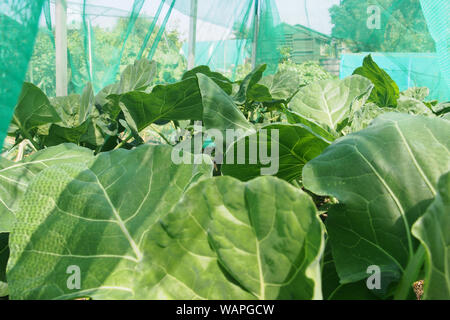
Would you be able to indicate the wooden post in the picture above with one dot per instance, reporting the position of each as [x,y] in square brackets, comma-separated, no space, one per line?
[192,34]
[61,47]
[255,34]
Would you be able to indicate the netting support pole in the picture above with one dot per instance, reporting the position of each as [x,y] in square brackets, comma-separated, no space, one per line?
[255,34]
[192,34]
[61,47]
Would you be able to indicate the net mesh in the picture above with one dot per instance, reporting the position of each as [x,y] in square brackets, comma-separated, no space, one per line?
[408,38]
[18,27]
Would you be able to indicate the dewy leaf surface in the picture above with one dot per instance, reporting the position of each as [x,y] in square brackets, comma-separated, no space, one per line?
[138,243]
[432,229]
[385,176]
[16,176]
[329,102]
[296,145]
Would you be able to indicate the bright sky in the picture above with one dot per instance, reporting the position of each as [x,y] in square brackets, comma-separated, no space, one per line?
[311,13]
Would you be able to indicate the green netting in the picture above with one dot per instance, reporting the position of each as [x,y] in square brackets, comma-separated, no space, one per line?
[270,36]
[437,15]
[234,43]
[18,26]
[407,70]
[410,40]
[102,40]
[407,37]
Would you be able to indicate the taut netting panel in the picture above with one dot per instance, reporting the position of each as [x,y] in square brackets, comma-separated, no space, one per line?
[103,38]
[322,38]
[18,27]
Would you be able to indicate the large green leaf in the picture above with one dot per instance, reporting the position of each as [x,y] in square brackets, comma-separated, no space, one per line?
[432,229]
[74,109]
[9,188]
[419,93]
[86,103]
[296,144]
[219,110]
[247,84]
[385,92]
[263,235]
[16,176]
[385,176]
[329,102]
[91,133]
[61,134]
[68,108]
[295,118]
[97,217]
[412,106]
[206,71]
[260,93]
[219,242]
[81,123]
[224,83]
[334,290]
[266,234]
[361,118]
[178,101]
[33,109]
[137,76]
[102,101]
[4,255]
[282,85]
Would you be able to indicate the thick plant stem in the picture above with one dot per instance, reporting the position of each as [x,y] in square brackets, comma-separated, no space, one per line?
[33,143]
[410,275]
[27,136]
[123,142]
[21,150]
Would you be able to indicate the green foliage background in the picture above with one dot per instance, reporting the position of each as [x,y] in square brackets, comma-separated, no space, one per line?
[403,26]
[171,63]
